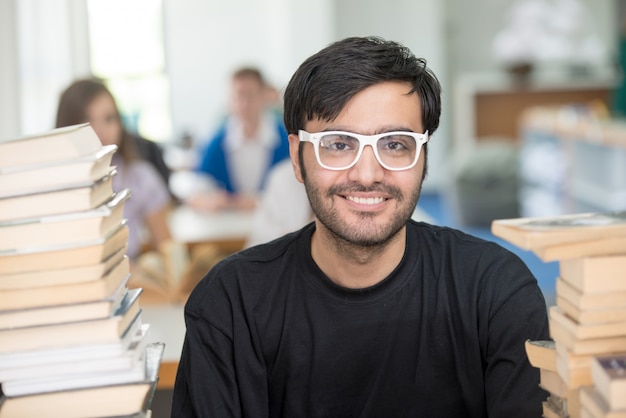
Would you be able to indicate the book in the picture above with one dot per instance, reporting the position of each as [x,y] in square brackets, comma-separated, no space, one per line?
[584,301]
[573,403]
[588,315]
[554,407]
[26,358]
[95,331]
[595,406]
[600,274]
[62,275]
[30,374]
[575,370]
[57,144]
[609,379]
[532,233]
[55,202]
[541,354]
[585,331]
[22,180]
[56,314]
[572,360]
[135,373]
[552,382]
[597,247]
[92,401]
[68,293]
[550,412]
[574,378]
[563,400]
[115,400]
[562,407]
[82,254]
[602,345]
[64,229]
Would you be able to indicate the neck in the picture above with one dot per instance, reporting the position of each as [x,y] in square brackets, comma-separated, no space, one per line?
[355,266]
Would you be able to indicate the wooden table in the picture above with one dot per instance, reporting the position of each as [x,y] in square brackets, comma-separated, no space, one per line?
[228,230]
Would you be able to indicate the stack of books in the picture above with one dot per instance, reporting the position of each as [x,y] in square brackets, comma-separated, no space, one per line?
[607,396]
[542,355]
[588,322]
[72,341]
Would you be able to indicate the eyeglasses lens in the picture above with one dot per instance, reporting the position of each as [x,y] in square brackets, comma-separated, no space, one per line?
[395,151]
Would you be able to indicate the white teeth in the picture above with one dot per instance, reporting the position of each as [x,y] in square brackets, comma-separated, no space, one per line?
[365,200]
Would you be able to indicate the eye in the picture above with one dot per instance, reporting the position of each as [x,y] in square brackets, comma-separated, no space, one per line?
[397,143]
[339,142]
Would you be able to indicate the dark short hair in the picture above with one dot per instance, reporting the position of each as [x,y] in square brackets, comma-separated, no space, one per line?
[326,81]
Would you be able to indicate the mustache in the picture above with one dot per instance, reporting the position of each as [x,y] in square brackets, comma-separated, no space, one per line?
[354,187]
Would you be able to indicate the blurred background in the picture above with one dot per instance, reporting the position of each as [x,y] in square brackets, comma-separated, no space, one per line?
[511,70]
[533,90]
[168,61]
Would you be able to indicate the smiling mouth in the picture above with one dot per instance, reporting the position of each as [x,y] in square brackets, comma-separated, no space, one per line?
[366,200]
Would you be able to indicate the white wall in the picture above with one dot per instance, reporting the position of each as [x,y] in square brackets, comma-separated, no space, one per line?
[472,24]
[43,47]
[207,39]
[9,98]
[418,24]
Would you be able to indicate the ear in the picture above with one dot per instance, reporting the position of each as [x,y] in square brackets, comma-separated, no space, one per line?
[294,149]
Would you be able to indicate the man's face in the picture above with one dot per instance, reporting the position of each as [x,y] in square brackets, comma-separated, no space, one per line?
[247,99]
[366,204]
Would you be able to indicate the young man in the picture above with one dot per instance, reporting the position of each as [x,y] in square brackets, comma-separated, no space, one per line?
[239,156]
[363,313]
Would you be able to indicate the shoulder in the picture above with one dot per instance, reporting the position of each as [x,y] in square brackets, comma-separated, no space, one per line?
[216,140]
[211,152]
[144,170]
[484,272]
[447,239]
[468,258]
[244,277]
[144,180]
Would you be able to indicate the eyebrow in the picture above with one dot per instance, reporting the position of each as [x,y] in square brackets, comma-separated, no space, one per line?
[380,130]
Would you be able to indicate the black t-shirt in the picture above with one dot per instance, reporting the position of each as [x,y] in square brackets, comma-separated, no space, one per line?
[269,335]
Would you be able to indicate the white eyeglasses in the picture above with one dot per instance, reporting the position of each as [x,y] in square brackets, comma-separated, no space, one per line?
[339,150]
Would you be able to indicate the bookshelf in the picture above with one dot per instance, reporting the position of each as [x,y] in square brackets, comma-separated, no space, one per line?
[490,105]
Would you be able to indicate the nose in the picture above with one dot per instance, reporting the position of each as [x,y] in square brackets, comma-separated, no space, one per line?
[367,170]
